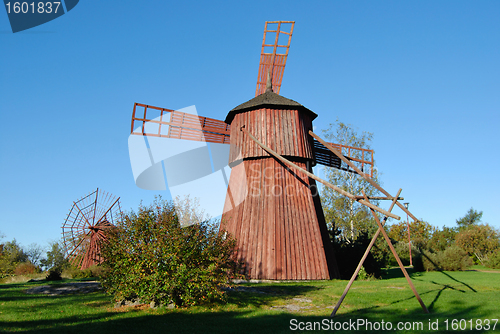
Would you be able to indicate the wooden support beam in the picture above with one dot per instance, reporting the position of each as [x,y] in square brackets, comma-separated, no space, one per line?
[312,176]
[366,177]
[365,255]
[381,198]
[386,237]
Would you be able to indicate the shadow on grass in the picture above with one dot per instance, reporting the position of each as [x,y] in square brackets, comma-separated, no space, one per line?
[236,322]
[415,275]
[397,273]
[256,318]
[255,295]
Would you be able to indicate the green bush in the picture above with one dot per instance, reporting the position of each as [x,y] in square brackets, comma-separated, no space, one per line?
[10,257]
[54,274]
[430,261]
[95,271]
[494,260]
[26,268]
[452,259]
[150,257]
[348,256]
[403,252]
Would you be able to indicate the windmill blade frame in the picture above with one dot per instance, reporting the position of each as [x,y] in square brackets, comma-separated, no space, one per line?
[167,123]
[86,226]
[361,157]
[273,55]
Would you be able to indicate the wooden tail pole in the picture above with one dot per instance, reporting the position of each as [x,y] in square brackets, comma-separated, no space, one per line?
[365,255]
[312,176]
[381,228]
[366,177]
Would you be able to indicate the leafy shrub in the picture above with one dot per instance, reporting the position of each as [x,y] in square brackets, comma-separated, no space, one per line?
[11,256]
[452,259]
[403,252]
[95,271]
[494,260]
[348,256]
[442,239]
[26,268]
[430,261]
[54,274]
[478,241]
[364,276]
[150,257]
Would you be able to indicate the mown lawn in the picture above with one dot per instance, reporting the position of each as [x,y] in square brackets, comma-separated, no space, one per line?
[271,307]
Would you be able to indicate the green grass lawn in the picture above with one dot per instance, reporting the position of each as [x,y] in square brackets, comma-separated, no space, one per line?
[270,307]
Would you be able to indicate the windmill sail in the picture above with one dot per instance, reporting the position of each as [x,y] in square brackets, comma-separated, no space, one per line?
[275,45]
[166,123]
[361,157]
[160,122]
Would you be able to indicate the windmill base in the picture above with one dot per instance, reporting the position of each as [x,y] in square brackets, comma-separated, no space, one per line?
[276,217]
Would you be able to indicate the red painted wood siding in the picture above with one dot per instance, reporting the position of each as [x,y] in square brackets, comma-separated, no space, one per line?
[277,226]
[283,130]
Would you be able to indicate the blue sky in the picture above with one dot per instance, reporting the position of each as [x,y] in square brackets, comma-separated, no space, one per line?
[422,76]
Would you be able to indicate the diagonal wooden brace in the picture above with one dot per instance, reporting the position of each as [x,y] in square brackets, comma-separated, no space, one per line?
[366,177]
[312,176]
[365,255]
[381,228]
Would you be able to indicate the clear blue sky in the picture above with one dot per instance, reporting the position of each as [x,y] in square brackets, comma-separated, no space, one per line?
[423,76]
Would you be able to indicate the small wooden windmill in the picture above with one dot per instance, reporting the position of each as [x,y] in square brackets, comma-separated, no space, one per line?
[272,206]
[85,228]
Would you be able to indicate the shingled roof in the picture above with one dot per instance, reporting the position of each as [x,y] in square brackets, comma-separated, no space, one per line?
[269,99]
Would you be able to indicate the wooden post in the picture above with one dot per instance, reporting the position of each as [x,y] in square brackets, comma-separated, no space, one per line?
[365,255]
[381,228]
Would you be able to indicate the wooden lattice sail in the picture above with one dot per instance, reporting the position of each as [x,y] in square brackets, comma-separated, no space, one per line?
[86,225]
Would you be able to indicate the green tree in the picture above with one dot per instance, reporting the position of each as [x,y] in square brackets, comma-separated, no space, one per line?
[151,257]
[472,217]
[34,254]
[347,217]
[420,233]
[12,255]
[442,239]
[479,241]
[55,258]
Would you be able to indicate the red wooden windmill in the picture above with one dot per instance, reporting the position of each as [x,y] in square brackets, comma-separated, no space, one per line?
[86,226]
[272,206]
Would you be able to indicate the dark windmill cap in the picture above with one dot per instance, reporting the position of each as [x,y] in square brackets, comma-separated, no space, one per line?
[269,99]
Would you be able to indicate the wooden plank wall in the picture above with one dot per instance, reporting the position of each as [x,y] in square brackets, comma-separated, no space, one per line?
[276,226]
[285,131]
